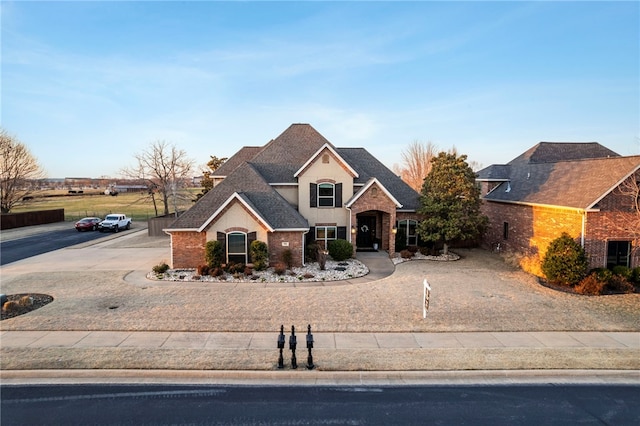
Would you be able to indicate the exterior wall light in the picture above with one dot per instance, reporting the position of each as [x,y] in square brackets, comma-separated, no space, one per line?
[394,230]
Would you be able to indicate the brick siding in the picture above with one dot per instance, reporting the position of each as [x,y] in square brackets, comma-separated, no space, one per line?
[188,249]
[276,249]
[382,203]
[532,228]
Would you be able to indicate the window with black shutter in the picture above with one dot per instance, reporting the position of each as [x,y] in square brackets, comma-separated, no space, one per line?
[313,195]
[338,195]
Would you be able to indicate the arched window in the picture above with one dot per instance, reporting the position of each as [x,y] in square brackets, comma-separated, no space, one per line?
[237,247]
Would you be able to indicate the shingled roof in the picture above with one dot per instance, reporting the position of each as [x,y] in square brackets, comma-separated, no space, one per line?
[265,201]
[551,152]
[576,184]
[367,166]
[245,154]
[252,170]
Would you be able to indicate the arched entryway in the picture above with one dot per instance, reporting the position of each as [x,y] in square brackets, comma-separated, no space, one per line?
[372,231]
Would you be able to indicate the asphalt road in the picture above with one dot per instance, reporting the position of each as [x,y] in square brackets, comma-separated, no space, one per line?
[324,405]
[33,245]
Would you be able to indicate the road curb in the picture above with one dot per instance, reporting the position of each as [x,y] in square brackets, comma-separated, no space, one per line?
[314,378]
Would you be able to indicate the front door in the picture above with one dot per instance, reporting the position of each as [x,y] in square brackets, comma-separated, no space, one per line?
[366,231]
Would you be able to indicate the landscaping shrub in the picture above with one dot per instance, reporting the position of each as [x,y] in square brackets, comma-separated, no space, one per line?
[619,284]
[565,262]
[214,253]
[259,255]
[340,250]
[280,268]
[591,285]
[322,258]
[635,275]
[216,272]
[413,249]
[202,270]
[287,258]
[406,254]
[160,268]
[311,252]
[248,271]
[401,240]
[623,271]
[235,268]
[10,306]
[25,301]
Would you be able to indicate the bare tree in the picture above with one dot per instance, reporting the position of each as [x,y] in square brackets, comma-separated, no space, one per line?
[207,181]
[17,166]
[416,163]
[630,189]
[164,168]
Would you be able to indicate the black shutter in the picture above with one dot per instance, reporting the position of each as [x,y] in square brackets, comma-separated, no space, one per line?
[338,195]
[311,235]
[342,232]
[222,238]
[313,195]
[251,237]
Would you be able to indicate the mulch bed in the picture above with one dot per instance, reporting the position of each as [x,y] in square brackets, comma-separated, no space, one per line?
[37,301]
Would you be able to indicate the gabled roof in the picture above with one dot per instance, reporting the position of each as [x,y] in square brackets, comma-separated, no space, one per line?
[330,148]
[367,167]
[578,184]
[256,193]
[294,146]
[366,187]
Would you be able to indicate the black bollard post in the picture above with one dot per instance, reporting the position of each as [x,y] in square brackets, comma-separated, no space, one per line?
[310,365]
[293,342]
[281,339]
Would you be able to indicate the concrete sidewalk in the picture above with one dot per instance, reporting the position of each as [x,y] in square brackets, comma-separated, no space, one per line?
[331,351]
[334,341]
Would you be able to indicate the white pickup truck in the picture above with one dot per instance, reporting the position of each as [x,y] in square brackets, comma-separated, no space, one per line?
[114,222]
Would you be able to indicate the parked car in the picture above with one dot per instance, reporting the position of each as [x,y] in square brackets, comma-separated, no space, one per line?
[115,222]
[88,224]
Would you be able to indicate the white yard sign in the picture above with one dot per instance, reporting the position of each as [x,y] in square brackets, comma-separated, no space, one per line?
[427,294]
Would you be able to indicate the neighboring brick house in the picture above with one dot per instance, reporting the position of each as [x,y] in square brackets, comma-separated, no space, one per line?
[577,188]
[295,189]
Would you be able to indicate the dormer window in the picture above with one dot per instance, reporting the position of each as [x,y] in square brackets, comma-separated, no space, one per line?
[326,195]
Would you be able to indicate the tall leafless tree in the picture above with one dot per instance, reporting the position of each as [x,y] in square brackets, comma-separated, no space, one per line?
[416,163]
[17,167]
[165,168]
[630,189]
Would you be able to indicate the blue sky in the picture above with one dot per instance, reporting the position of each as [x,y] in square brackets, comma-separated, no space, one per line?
[86,85]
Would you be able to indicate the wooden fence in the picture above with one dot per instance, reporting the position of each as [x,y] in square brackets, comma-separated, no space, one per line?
[157,224]
[18,220]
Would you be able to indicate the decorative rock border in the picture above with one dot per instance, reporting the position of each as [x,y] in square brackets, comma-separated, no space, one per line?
[451,256]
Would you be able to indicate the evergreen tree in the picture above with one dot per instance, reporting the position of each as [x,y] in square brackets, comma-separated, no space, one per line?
[565,262]
[450,202]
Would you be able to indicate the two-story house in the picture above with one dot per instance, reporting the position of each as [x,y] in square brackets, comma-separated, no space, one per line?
[296,189]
